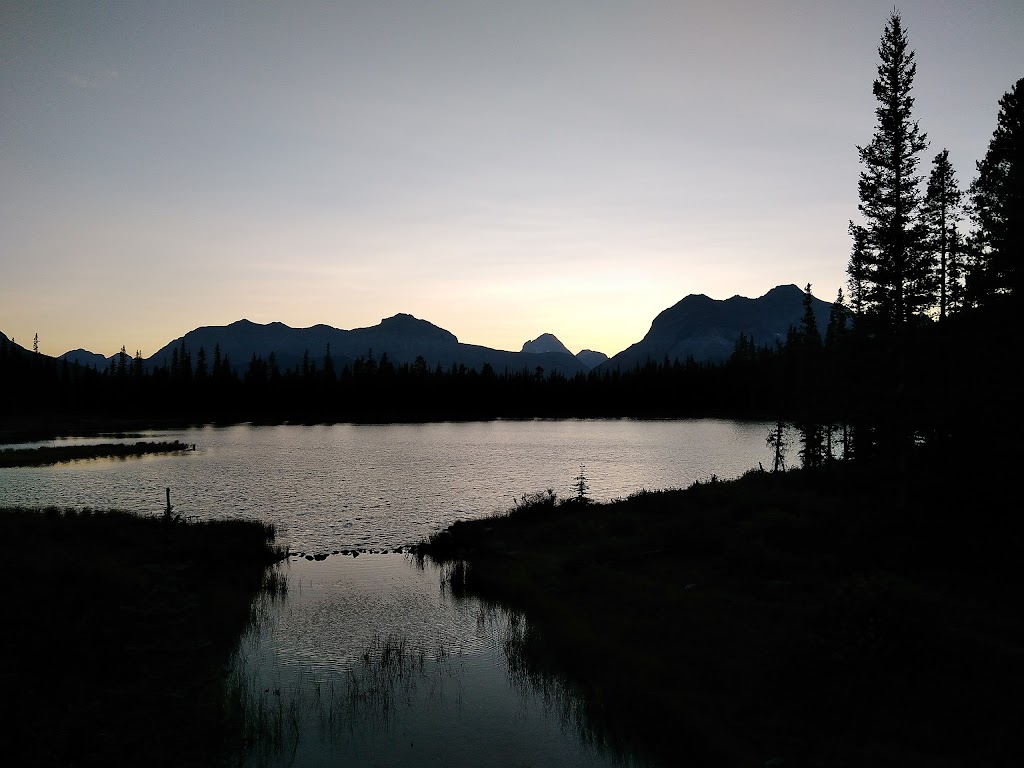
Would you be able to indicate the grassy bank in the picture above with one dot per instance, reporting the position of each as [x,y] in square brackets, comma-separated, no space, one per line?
[56,454]
[857,616]
[119,629]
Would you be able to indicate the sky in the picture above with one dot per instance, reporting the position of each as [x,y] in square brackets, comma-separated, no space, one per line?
[500,169]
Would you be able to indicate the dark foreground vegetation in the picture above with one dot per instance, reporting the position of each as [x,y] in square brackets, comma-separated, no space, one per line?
[55,454]
[118,634]
[852,615]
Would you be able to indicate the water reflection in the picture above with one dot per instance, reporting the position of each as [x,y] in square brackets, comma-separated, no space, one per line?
[348,486]
[422,679]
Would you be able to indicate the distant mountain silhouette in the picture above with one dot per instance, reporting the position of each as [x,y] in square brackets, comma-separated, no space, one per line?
[708,328]
[86,358]
[699,326]
[590,358]
[402,338]
[79,355]
[546,342]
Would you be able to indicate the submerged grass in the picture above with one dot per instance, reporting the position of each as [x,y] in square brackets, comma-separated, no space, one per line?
[856,616]
[120,630]
[342,707]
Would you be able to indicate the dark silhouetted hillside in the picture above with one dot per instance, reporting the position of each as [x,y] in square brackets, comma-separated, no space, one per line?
[590,358]
[708,328]
[546,342]
[86,358]
[402,338]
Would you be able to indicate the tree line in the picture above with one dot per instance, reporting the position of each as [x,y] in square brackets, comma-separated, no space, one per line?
[934,274]
[911,259]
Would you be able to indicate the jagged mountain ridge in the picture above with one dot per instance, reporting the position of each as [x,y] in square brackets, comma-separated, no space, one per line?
[708,328]
[402,338]
[697,325]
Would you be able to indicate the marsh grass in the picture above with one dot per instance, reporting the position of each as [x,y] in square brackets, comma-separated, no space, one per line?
[122,629]
[860,615]
[278,708]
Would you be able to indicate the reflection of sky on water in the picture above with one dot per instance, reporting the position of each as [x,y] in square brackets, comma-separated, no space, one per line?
[350,486]
[447,701]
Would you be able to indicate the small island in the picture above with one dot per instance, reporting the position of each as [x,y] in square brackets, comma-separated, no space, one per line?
[57,454]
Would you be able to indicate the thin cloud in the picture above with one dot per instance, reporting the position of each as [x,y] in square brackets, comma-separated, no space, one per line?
[99,80]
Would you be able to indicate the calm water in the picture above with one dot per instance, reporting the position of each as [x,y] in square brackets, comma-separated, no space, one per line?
[368,661]
[386,486]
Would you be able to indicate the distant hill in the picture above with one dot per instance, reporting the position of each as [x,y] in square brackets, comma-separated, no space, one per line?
[86,358]
[708,328]
[402,338]
[548,342]
[590,358]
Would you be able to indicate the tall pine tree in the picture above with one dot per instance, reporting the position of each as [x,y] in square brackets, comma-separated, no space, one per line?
[941,214]
[857,269]
[894,275]
[997,201]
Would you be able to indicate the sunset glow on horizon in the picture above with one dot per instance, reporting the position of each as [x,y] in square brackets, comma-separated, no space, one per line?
[499,170]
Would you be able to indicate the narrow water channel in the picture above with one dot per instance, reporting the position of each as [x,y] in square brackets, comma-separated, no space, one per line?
[369,661]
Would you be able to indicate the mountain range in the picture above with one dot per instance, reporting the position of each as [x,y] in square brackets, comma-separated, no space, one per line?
[708,328]
[697,326]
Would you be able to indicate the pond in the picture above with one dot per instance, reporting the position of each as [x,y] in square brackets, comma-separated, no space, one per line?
[349,486]
[368,662]
[368,659]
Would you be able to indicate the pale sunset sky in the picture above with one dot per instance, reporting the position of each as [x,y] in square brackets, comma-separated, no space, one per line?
[501,169]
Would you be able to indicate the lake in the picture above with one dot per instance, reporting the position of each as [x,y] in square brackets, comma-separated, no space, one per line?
[368,660]
[349,486]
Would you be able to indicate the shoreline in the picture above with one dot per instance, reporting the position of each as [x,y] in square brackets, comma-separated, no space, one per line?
[815,618]
[124,627]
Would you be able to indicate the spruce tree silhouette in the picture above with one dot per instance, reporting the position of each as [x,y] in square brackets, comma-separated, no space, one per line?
[997,197]
[941,215]
[895,271]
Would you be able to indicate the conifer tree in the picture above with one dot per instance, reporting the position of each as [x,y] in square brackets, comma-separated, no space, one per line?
[857,269]
[896,266]
[779,443]
[808,323]
[836,327]
[201,369]
[807,341]
[941,216]
[997,200]
[329,373]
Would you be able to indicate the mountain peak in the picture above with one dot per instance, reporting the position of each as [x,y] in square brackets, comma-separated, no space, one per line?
[408,325]
[708,328]
[546,342]
[784,290]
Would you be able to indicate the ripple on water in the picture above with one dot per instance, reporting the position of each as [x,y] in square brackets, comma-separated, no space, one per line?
[391,485]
